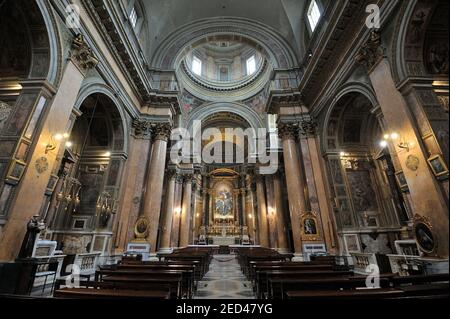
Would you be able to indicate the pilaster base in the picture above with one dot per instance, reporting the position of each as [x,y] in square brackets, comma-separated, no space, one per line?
[283,250]
[165,250]
[298,257]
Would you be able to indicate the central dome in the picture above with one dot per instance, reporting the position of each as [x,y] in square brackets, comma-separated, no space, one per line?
[223,62]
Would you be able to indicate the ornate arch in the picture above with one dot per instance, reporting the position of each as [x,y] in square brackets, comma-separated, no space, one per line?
[349,88]
[38,47]
[408,43]
[254,120]
[280,53]
[101,88]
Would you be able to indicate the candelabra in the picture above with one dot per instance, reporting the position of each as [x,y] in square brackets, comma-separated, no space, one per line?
[69,195]
[105,207]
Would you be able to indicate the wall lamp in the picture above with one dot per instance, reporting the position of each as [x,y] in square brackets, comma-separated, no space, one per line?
[57,138]
[395,138]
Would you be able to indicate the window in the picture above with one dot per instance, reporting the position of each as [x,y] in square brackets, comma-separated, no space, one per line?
[313,14]
[133,17]
[197,66]
[251,65]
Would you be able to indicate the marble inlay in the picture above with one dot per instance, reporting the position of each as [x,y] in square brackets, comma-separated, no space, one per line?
[224,280]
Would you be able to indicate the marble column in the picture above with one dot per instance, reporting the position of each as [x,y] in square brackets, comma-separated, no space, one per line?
[30,192]
[168,214]
[294,182]
[251,214]
[318,199]
[185,227]
[155,179]
[197,214]
[263,228]
[271,212]
[133,183]
[280,215]
[211,207]
[176,219]
[244,208]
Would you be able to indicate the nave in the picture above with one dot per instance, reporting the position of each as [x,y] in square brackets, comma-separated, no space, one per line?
[224,280]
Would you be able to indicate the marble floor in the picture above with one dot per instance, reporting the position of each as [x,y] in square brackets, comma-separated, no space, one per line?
[224,280]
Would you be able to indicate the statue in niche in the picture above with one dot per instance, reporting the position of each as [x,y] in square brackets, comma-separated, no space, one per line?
[224,204]
[34,227]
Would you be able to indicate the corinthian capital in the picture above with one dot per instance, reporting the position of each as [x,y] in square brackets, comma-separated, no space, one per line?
[82,54]
[142,129]
[162,131]
[308,127]
[287,130]
[371,52]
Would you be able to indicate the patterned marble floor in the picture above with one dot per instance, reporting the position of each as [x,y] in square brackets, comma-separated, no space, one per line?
[224,280]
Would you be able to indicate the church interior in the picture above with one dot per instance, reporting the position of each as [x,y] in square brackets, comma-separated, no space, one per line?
[221,149]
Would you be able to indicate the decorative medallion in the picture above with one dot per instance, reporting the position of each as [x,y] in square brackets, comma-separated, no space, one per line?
[41,164]
[423,234]
[412,162]
[141,228]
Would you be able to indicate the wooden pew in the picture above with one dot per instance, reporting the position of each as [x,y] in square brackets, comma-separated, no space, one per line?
[286,267]
[316,295]
[86,293]
[183,278]
[279,286]
[263,277]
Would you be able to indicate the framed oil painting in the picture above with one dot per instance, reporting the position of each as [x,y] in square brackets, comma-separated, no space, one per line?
[438,165]
[352,243]
[309,227]
[16,170]
[401,180]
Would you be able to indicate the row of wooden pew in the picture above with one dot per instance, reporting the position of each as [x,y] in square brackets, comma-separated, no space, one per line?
[174,276]
[275,276]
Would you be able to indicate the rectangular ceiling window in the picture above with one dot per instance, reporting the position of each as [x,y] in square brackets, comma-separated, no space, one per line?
[313,14]
[197,66]
[251,65]
[133,17]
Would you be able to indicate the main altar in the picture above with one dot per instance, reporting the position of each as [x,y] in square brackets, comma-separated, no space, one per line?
[224,228]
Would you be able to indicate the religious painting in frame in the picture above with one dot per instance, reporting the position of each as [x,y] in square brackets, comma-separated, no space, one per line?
[352,243]
[423,232]
[52,183]
[309,226]
[438,165]
[401,180]
[16,170]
